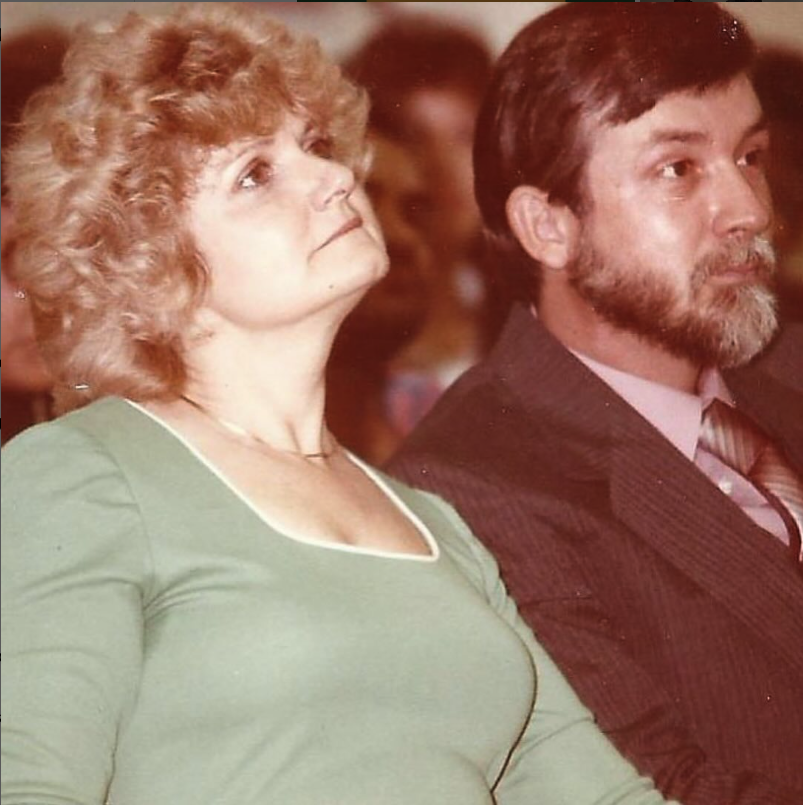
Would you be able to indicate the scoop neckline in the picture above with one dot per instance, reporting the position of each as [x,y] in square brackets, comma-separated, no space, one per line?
[287,533]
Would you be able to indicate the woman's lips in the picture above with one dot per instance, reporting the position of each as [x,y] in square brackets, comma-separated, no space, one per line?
[349,226]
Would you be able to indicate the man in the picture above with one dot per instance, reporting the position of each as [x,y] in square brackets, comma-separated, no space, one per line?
[619,170]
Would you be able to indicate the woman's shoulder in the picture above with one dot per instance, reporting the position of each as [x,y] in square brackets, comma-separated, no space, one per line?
[107,420]
[109,431]
[94,418]
[70,505]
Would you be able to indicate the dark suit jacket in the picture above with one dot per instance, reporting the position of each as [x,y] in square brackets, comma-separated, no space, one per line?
[678,621]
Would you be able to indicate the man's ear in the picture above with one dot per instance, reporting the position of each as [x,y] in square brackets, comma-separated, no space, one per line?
[547,231]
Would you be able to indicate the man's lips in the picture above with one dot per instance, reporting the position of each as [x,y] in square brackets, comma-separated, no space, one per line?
[740,272]
[750,269]
[349,226]
[740,268]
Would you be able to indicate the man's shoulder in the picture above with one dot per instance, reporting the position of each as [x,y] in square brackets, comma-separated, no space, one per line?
[476,403]
[529,400]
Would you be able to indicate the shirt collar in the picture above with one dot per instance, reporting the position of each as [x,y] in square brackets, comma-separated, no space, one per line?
[676,414]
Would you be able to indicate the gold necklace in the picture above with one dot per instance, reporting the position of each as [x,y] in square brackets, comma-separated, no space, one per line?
[240,431]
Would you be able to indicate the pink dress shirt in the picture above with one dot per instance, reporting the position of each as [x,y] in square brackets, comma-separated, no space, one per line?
[678,416]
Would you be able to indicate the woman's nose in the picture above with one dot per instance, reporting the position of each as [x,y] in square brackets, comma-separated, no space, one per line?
[336,182]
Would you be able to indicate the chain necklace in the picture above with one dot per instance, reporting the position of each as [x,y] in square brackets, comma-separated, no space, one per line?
[240,431]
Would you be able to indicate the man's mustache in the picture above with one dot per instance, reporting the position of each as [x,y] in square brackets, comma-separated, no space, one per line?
[757,255]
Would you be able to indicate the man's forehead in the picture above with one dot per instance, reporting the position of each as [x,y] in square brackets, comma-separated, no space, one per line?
[730,110]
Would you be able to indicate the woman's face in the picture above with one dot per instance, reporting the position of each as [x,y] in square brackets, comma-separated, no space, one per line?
[285,231]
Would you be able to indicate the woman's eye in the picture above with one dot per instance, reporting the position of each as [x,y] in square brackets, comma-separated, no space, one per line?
[258,174]
[320,146]
[680,169]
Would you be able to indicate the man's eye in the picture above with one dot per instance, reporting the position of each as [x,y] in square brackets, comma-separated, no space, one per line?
[258,174]
[680,169]
[755,158]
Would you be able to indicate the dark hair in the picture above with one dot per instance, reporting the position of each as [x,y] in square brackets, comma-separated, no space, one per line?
[417,52]
[612,61]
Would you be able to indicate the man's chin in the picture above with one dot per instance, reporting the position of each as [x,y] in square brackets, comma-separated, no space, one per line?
[741,324]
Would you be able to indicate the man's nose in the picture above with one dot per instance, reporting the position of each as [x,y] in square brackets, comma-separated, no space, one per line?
[742,203]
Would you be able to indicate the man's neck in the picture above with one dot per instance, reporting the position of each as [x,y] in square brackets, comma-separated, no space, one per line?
[619,348]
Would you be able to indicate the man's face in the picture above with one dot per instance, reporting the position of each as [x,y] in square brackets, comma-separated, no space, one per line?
[673,246]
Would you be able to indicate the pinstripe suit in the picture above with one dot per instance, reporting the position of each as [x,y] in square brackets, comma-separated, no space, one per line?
[679,621]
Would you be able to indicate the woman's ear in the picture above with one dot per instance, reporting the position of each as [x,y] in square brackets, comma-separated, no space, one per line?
[547,231]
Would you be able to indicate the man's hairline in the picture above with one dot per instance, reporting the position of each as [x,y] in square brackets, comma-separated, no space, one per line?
[597,119]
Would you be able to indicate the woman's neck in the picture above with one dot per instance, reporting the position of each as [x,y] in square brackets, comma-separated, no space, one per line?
[270,385]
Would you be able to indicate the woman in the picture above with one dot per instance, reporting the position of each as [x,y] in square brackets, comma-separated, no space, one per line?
[205,598]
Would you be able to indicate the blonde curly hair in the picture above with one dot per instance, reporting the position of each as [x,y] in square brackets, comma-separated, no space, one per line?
[104,163]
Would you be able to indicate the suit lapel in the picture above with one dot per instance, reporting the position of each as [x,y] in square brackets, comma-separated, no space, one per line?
[661,496]
[654,489]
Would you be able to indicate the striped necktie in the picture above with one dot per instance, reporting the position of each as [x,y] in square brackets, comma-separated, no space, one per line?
[737,441]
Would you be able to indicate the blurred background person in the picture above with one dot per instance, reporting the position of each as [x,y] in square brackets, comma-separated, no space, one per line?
[362,409]
[30,60]
[25,381]
[778,79]
[426,78]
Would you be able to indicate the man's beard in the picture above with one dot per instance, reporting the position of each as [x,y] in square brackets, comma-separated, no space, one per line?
[719,325]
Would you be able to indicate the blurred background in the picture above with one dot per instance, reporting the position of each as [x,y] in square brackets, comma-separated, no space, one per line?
[342,26]
[425,65]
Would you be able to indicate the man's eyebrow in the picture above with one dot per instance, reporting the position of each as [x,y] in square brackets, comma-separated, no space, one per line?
[761,126]
[670,135]
[661,136]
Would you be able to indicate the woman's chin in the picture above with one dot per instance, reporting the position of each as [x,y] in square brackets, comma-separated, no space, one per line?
[376,266]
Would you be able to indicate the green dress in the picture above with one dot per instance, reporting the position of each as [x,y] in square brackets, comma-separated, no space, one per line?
[164,644]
